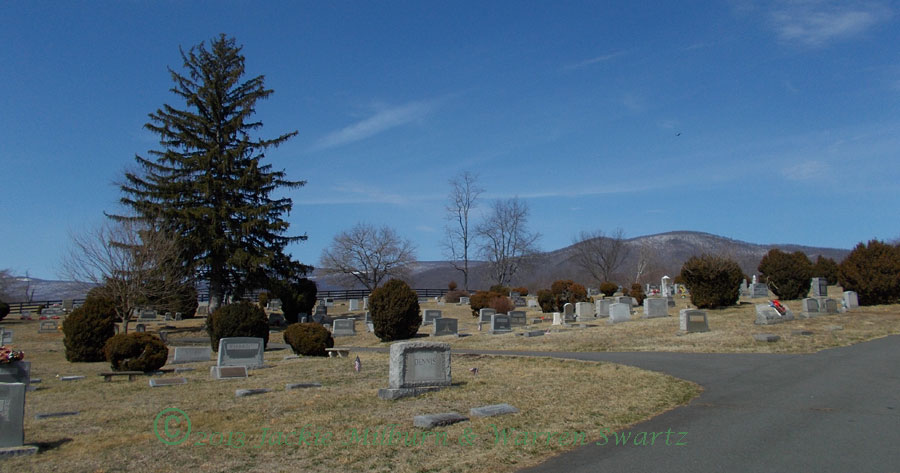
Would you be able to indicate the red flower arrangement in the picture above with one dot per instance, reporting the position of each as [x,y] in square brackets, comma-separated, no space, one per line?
[8,355]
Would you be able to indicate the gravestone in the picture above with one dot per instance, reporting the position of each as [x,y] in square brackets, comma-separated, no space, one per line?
[693,320]
[276,319]
[655,307]
[445,326]
[464,301]
[767,315]
[321,310]
[274,305]
[492,410]
[343,328]
[147,315]
[48,326]
[6,337]
[178,317]
[228,372]
[601,308]
[365,303]
[625,300]
[500,324]
[12,414]
[191,355]
[744,289]
[819,287]
[517,318]
[558,319]
[429,315]
[519,302]
[241,351]
[430,421]
[140,328]
[484,315]
[52,312]
[758,290]
[328,302]
[851,300]
[828,306]
[415,368]
[584,311]
[619,312]
[17,372]
[68,305]
[354,304]
[569,312]
[532,303]
[809,307]
[160,382]
[664,286]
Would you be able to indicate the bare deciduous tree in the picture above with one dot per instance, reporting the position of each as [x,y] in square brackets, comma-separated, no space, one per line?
[506,242]
[368,255]
[129,261]
[464,193]
[645,261]
[600,255]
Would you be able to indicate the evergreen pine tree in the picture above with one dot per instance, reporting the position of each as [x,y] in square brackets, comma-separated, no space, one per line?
[208,183]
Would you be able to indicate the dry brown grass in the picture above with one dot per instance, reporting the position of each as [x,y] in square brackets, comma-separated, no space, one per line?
[731,331]
[114,430]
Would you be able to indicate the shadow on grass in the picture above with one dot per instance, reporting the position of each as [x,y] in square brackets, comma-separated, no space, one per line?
[46,446]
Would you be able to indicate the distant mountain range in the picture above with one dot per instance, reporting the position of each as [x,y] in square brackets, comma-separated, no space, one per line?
[669,251]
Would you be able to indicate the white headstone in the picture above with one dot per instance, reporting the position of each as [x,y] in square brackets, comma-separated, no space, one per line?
[354,304]
[557,318]
[619,312]
[601,308]
[851,300]
[584,310]
[344,328]
[656,307]
[664,285]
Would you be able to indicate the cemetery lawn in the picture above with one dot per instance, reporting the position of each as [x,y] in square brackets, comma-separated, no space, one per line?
[731,331]
[563,401]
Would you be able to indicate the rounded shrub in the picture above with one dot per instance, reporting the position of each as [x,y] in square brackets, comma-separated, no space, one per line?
[637,292]
[873,271]
[87,328]
[452,297]
[522,290]
[452,286]
[546,301]
[500,289]
[296,297]
[713,281]
[241,319]
[788,274]
[482,299]
[394,308]
[501,304]
[308,339]
[565,291]
[135,352]
[4,309]
[608,289]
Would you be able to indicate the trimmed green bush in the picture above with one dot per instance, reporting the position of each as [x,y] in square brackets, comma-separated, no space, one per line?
[395,311]
[788,274]
[546,300]
[713,281]
[608,288]
[826,268]
[4,309]
[135,352]
[873,271]
[241,319]
[87,329]
[296,297]
[308,339]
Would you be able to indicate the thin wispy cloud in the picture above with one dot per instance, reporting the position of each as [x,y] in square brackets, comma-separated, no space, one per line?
[807,171]
[356,193]
[817,23]
[595,60]
[381,121]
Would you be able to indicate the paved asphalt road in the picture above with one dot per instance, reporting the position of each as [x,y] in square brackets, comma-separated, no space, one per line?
[833,411]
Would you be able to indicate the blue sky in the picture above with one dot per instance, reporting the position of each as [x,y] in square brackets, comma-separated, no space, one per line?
[769,122]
